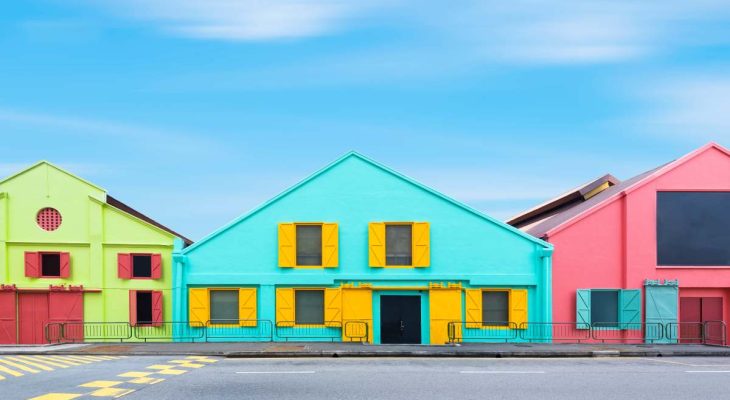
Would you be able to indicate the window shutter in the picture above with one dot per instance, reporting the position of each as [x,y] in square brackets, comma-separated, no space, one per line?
[198,307]
[518,307]
[330,245]
[357,308]
[287,245]
[332,307]
[32,264]
[157,308]
[65,265]
[376,243]
[473,308]
[630,311]
[583,309]
[124,266]
[156,266]
[285,305]
[133,307]
[247,306]
[421,244]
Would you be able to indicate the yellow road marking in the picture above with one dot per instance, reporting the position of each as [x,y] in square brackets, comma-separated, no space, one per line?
[92,358]
[18,366]
[172,372]
[57,396]
[100,384]
[32,364]
[61,360]
[160,366]
[135,374]
[39,359]
[111,392]
[78,359]
[1,377]
[202,359]
[10,371]
[146,381]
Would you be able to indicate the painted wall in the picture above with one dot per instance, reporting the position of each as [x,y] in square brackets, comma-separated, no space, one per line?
[466,247]
[615,246]
[92,232]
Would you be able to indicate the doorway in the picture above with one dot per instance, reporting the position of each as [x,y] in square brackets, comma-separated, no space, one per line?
[400,319]
[33,317]
[693,313]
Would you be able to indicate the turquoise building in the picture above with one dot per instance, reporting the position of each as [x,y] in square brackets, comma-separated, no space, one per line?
[359,252]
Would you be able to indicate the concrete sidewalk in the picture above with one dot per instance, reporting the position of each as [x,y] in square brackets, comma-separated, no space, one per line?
[293,349]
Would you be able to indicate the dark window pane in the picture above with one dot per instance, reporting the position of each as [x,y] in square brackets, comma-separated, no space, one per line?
[495,308]
[224,306]
[309,307]
[144,307]
[51,264]
[604,308]
[309,244]
[398,248]
[142,266]
[693,228]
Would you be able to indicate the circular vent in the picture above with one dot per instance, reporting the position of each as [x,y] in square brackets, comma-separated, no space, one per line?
[49,219]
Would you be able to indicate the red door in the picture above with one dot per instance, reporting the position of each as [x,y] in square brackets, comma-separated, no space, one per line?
[33,317]
[690,313]
[712,317]
[7,318]
[66,308]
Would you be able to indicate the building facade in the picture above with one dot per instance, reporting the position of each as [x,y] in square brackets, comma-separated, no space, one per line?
[359,252]
[71,254]
[643,259]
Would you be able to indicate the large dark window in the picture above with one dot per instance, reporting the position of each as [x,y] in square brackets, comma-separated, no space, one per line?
[224,306]
[144,307]
[495,308]
[604,308]
[309,245]
[141,265]
[50,264]
[693,228]
[398,245]
[309,307]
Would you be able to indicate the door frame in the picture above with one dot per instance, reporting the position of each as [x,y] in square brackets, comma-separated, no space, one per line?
[425,318]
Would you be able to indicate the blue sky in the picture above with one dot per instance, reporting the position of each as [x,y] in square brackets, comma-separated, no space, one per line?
[195,111]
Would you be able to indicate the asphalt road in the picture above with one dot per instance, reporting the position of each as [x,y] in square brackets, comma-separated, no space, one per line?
[302,379]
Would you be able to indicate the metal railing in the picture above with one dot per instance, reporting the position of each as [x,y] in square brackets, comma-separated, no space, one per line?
[290,330]
[166,331]
[356,331]
[685,332]
[254,329]
[53,332]
[96,331]
[547,332]
[715,333]
[464,332]
[636,332]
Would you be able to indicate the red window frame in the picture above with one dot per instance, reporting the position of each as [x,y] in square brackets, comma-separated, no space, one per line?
[125,266]
[157,307]
[34,264]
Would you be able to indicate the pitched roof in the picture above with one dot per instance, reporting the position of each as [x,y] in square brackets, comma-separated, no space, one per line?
[550,223]
[382,167]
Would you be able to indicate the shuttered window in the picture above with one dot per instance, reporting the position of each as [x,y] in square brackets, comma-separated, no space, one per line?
[398,245]
[224,306]
[610,308]
[142,265]
[495,308]
[604,308]
[309,245]
[309,307]
[50,264]
[145,307]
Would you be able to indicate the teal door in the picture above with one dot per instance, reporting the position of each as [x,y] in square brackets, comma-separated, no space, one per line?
[661,308]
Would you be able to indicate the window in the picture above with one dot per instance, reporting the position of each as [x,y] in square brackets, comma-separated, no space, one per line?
[309,245]
[141,265]
[144,308]
[398,245]
[495,308]
[224,306]
[309,307]
[48,219]
[693,228]
[604,308]
[51,264]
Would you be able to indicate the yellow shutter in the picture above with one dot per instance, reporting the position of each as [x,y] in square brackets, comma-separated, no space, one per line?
[473,308]
[332,307]
[444,307]
[421,244]
[330,245]
[518,307]
[285,306]
[376,243]
[199,307]
[357,314]
[287,245]
[247,306]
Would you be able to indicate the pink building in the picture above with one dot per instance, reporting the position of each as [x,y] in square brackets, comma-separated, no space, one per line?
[643,259]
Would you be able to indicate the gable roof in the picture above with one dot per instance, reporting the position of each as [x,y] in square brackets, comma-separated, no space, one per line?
[108,199]
[551,223]
[398,175]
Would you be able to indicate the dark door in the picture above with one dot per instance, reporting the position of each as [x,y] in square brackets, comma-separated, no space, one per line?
[712,312]
[33,317]
[400,319]
[690,314]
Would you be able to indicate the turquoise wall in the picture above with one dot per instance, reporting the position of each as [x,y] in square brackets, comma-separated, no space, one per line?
[466,246]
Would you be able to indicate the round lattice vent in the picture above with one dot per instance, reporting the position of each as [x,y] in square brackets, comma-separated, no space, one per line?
[49,219]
